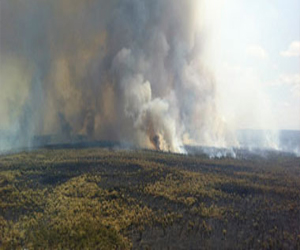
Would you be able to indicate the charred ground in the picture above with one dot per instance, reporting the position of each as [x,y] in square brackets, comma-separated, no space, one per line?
[100,198]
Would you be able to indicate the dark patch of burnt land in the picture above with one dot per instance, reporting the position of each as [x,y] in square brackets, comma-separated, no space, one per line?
[144,199]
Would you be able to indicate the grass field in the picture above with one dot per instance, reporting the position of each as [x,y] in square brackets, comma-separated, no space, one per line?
[100,198]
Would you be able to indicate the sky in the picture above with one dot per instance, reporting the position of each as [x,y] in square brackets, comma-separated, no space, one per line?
[255,48]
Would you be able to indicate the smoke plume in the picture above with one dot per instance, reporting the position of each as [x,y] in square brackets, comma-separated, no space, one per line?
[126,70]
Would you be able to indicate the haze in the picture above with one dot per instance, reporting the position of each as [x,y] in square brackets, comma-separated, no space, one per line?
[155,74]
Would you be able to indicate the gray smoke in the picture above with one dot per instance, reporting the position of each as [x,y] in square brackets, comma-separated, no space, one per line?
[126,70]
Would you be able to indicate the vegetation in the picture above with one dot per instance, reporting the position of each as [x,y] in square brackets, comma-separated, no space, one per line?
[100,198]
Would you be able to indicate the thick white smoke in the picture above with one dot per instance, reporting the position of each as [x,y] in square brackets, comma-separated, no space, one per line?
[149,116]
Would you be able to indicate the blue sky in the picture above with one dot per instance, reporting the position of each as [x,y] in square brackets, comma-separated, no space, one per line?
[256,55]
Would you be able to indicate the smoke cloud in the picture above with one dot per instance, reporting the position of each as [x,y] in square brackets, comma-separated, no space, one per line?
[116,70]
[122,70]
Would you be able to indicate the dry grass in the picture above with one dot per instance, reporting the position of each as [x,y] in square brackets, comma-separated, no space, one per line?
[105,199]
